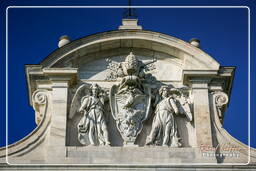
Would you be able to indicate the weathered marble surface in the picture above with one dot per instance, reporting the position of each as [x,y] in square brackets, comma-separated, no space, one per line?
[83,61]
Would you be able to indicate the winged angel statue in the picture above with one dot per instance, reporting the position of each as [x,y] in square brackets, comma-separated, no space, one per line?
[170,103]
[90,102]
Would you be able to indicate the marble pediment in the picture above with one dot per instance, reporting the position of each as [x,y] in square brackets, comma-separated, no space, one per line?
[79,80]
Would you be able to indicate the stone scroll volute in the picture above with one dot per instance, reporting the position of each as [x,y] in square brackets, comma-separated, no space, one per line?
[220,100]
[40,103]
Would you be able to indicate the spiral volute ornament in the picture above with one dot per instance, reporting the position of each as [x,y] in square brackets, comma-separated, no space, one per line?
[40,97]
[221,99]
[39,104]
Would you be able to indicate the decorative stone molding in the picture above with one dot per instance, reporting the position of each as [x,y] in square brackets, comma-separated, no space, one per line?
[130,24]
[138,39]
[220,100]
[133,101]
[222,138]
[40,102]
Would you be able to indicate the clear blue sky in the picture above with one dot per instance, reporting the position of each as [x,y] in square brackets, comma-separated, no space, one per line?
[33,34]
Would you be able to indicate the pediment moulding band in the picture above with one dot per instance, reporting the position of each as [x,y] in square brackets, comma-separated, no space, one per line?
[127,89]
[132,39]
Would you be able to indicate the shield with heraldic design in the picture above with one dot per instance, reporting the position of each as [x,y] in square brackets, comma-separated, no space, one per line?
[130,108]
[130,100]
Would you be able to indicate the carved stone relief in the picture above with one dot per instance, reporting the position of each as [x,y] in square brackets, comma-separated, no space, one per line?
[220,100]
[40,102]
[92,124]
[132,102]
[170,103]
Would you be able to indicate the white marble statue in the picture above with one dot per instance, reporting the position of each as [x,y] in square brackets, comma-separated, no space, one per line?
[93,123]
[130,100]
[164,127]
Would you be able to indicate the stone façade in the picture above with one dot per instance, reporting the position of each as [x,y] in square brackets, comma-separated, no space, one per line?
[53,85]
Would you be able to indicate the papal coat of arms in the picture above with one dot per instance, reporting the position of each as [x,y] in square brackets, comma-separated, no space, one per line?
[130,103]
[130,100]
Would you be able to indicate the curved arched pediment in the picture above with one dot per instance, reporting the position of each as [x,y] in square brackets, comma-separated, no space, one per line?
[153,43]
[158,62]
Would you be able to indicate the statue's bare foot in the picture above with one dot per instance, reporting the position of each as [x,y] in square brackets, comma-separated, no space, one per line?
[176,144]
[107,144]
[149,142]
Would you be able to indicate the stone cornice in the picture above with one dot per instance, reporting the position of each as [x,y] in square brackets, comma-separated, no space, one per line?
[39,77]
[118,39]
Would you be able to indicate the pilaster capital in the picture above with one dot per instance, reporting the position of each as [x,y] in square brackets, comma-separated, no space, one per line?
[198,79]
[199,83]
[61,77]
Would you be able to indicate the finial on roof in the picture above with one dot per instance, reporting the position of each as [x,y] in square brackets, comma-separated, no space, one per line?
[130,24]
[129,13]
[130,21]
[63,40]
[195,42]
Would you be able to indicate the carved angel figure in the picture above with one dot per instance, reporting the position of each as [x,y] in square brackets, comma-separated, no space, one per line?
[93,121]
[164,120]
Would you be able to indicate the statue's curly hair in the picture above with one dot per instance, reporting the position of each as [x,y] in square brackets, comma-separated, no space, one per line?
[163,88]
[95,86]
[169,90]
